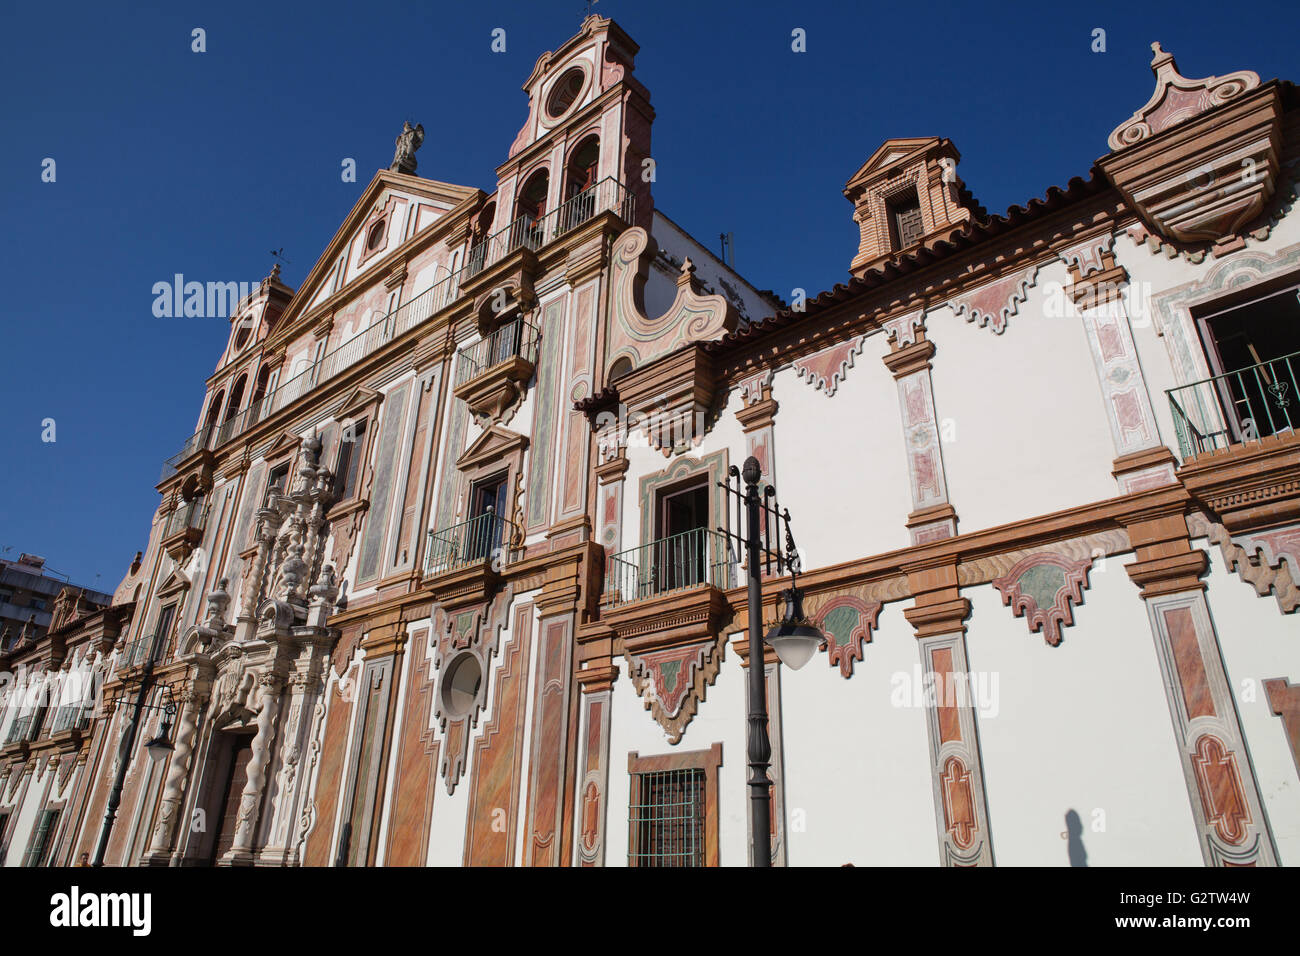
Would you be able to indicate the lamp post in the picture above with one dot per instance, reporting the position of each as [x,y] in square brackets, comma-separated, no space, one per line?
[794,639]
[158,747]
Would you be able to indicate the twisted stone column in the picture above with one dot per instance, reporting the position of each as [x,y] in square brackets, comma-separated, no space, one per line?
[257,764]
[165,828]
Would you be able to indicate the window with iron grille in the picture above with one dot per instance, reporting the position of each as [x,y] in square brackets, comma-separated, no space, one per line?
[673,808]
[905,221]
[668,818]
[42,838]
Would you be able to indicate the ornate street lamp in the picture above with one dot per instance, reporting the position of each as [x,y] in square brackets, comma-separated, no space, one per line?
[794,638]
[161,747]
[143,683]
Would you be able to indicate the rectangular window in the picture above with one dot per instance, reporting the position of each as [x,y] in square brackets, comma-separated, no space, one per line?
[1254,352]
[42,839]
[276,481]
[668,818]
[681,538]
[4,837]
[350,455]
[905,222]
[487,507]
[673,808]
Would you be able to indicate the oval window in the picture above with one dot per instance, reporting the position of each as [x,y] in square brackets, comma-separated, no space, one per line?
[564,92]
[376,236]
[460,685]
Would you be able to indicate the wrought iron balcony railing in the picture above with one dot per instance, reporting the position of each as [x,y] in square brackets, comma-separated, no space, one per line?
[71,717]
[487,537]
[1236,407]
[18,730]
[606,195]
[191,514]
[686,560]
[516,339]
[137,652]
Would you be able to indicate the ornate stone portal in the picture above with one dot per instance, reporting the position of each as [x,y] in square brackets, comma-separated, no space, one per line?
[259,675]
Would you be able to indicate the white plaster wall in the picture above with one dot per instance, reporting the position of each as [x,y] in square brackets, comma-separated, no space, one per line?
[841,466]
[857,767]
[709,269]
[1022,413]
[1083,726]
[1259,642]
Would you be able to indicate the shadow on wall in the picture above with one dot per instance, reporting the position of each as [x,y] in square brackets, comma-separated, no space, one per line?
[1074,834]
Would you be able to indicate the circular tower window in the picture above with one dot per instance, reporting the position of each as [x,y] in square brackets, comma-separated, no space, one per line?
[565,92]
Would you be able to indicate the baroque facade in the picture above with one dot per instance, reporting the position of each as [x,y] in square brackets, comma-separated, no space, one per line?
[445,575]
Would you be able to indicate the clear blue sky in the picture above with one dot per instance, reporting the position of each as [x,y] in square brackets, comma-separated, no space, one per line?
[171,161]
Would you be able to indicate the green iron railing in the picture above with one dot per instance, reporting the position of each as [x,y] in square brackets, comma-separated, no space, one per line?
[685,560]
[487,537]
[1236,407]
[516,338]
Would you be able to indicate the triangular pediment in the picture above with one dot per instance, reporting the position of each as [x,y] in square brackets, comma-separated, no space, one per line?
[495,442]
[386,187]
[175,583]
[285,445]
[891,153]
[361,399]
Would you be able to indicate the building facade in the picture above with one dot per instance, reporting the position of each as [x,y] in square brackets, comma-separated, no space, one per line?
[28,593]
[447,574]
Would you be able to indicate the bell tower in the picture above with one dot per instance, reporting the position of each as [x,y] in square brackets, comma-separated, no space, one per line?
[588,123]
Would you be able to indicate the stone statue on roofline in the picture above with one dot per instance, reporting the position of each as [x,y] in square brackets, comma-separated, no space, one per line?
[408,141]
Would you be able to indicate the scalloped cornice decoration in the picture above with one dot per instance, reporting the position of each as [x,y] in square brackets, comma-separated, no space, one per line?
[825,370]
[992,304]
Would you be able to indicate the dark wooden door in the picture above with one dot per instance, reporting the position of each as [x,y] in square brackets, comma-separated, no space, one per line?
[236,778]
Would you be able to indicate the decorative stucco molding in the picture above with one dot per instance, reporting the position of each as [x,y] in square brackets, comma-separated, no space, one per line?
[692,317]
[848,623]
[1177,99]
[672,682]
[1043,588]
[825,370]
[992,304]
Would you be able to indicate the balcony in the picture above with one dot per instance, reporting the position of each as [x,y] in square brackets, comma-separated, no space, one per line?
[137,653]
[184,527]
[1236,407]
[492,374]
[70,717]
[488,538]
[608,195]
[22,730]
[463,563]
[691,559]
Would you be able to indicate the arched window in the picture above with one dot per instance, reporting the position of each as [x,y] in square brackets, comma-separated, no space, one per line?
[259,389]
[531,207]
[620,368]
[236,396]
[581,170]
[214,409]
[580,182]
[532,198]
